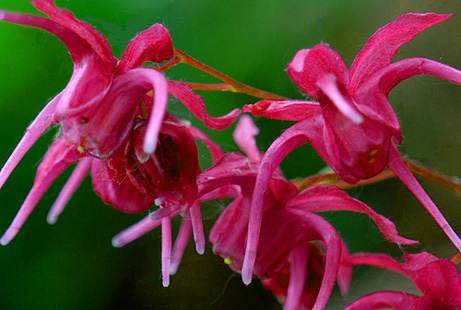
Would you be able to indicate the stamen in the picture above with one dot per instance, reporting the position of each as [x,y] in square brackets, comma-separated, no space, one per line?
[197,226]
[298,274]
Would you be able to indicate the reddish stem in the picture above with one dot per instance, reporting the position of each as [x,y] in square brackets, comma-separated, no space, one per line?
[235,86]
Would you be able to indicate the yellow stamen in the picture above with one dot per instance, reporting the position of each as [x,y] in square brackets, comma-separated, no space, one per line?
[228,260]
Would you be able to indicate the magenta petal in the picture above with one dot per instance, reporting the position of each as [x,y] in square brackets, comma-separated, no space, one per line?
[181,243]
[96,40]
[381,300]
[382,46]
[298,273]
[244,135]
[308,65]
[376,260]
[325,198]
[271,160]
[197,228]
[33,132]
[214,148]
[345,271]
[79,173]
[371,97]
[290,110]
[435,277]
[60,155]
[153,44]
[398,166]
[117,191]
[197,106]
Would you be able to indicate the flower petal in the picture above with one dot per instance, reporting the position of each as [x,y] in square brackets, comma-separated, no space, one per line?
[153,44]
[60,155]
[33,132]
[308,65]
[398,166]
[79,173]
[96,40]
[290,110]
[380,300]
[244,135]
[382,46]
[325,198]
[215,150]
[371,98]
[196,105]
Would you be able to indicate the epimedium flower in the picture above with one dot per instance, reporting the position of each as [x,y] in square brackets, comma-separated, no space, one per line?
[438,280]
[99,113]
[290,227]
[352,126]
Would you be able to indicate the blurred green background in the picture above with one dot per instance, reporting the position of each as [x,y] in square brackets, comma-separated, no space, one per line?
[72,264]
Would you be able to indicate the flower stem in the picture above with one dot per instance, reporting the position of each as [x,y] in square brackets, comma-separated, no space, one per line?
[200,86]
[451,183]
[234,85]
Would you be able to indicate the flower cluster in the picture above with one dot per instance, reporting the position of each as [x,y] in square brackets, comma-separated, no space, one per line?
[115,127]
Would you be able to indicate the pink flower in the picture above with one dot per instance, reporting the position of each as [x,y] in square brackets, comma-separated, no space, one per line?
[109,124]
[352,126]
[438,280]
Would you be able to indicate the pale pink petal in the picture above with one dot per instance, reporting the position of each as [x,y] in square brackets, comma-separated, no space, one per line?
[159,84]
[180,243]
[166,251]
[345,271]
[197,227]
[381,300]
[316,62]
[79,173]
[382,46]
[327,84]
[244,135]
[398,166]
[60,155]
[33,132]
[196,105]
[153,44]
[298,274]
[135,231]
[291,110]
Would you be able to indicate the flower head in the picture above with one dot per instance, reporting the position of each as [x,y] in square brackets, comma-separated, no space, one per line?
[113,117]
[352,126]
[438,280]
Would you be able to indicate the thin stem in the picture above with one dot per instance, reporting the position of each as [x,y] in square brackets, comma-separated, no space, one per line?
[450,183]
[200,86]
[168,65]
[235,85]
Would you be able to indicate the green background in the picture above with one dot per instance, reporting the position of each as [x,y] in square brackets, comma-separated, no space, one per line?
[72,265]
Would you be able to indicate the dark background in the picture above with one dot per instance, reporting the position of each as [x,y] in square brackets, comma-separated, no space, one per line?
[72,264]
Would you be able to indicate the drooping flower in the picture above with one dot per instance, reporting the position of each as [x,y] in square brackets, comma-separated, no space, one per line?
[352,126]
[99,112]
[438,280]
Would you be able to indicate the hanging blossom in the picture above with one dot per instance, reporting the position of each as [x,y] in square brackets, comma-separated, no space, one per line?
[109,124]
[352,126]
[438,280]
[290,232]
